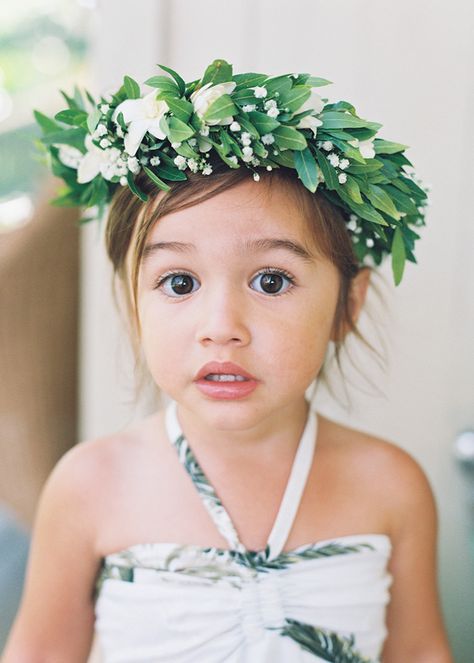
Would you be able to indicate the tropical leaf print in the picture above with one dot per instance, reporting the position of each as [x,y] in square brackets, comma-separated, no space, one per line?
[328,645]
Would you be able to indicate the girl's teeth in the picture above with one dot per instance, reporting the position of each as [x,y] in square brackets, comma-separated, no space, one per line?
[221,377]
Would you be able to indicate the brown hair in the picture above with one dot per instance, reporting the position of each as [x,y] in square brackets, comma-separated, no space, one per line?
[130,221]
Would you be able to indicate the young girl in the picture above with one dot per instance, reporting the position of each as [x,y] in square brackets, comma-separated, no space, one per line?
[237,524]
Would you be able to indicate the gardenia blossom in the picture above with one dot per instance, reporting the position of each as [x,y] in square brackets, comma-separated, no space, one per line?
[366,147]
[141,116]
[316,104]
[207,95]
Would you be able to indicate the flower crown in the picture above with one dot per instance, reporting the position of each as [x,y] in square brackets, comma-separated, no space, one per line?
[253,120]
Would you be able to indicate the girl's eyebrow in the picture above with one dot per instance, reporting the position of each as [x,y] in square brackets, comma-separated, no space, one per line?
[252,246]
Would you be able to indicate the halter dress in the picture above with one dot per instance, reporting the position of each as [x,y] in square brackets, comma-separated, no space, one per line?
[175,603]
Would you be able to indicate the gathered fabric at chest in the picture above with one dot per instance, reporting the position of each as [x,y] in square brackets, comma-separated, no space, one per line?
[323,601]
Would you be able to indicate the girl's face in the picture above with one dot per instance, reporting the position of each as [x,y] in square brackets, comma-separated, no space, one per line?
[236,279]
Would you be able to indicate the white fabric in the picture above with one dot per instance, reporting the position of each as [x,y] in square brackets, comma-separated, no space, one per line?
[188,604]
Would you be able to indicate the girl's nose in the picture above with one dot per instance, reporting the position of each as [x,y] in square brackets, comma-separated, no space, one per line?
[222,319]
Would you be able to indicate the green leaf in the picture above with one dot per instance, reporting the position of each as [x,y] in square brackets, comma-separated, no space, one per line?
[353,190]
[93,120]
[131,87]
[289,138]
[398,256]
[219,71]
[73,117]
[187,151]
[294,98]
[387,147]
[365,211]
[338,120]
[221,108]
[249,80]
[313,81]
[404,202]
[134,189]
[248,126]
[341,105]
[181,108]
[329,173]
[244,97]
[168,170]
[280,84]
[164,84]
[262,123]
[306,169]
[370,166]
[382,201]
[285,158]
[73,137]
[180,82]
[156,180]
[178,130]
[47,124]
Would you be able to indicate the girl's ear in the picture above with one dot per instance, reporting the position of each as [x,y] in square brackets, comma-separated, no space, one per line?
[356,297]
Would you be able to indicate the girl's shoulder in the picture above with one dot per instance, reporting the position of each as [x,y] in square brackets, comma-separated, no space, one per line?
[386,468]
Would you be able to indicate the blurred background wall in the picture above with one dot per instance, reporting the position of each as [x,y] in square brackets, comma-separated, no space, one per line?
[409,66]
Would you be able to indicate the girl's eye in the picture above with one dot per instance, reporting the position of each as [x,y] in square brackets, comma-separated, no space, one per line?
[176,284]
[272,281]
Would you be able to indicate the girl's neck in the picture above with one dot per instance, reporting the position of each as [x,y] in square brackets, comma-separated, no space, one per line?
[275,436]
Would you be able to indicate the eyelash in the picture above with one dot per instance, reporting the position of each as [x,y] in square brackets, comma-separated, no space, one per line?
[265,270]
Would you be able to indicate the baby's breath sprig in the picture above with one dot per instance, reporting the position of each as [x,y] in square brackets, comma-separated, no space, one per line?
[246,120]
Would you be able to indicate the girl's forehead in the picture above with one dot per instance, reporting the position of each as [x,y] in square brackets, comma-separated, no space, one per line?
[249,209]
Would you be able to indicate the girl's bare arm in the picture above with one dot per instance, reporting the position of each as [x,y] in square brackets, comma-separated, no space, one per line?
[415,626]
[55,620]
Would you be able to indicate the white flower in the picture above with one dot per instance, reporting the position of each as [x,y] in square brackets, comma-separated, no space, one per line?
[207,170]
[193,165]
[271,103]
[269,167]
[352,224]
[259,92]
[192,142]
[247,153]
[123,181]
[204,131]
[133,165]
[273,112]
[342,177]
[254,161]
[256,177]
[369,241]
[207,95]
[105,142]
[69,156]
[344,163]
[366,147]
[245,138]
[327,145]
[235,126]
[175,146]
[104,108]
[310,122]
[97,161]
[234,159]
[100,130]
[155,161]
[313,102]
[248,108]
[268,139]
[141,116]
[203,144]
[180,161]
[333,159]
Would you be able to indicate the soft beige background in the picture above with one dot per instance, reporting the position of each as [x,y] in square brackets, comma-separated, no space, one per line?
[409,66]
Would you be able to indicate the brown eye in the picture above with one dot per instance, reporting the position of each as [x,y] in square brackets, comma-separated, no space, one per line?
[176,285]
[272,282]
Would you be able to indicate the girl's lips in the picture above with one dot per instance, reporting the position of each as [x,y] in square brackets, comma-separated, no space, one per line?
[226,390]
[226,367]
